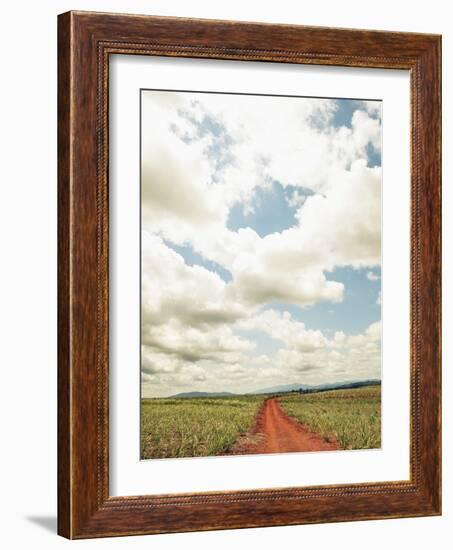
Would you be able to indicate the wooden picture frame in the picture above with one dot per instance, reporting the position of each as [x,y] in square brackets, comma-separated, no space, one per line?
[85,42]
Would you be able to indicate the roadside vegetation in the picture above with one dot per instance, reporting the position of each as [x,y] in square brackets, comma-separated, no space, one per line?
[352,416]
[185,427]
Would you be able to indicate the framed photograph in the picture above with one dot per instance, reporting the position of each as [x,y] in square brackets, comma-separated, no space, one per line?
[249,275]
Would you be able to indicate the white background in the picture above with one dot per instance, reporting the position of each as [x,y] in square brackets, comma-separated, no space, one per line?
[28,271]
[129,475]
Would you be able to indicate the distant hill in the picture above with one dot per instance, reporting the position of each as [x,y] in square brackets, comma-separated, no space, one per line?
[283,388]
[286,388]
[204,394]
[321,387]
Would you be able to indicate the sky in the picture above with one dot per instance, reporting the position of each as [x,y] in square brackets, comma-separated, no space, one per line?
[261,241]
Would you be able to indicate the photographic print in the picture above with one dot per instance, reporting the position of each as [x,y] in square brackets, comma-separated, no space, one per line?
[260,274]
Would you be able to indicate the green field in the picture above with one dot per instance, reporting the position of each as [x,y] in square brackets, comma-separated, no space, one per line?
[186,427]
[194,426]
[353,417]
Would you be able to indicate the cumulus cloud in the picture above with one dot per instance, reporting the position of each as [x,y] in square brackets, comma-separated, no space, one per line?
[190,294]
[192,345]
[343,227]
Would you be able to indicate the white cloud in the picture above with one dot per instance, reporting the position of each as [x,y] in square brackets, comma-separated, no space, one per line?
[297,198]
[372,276]
[194,344]
[339,229]
[373,108]
[281,326]
[173,290]
[258,280]
[307,357]
[366,130]
[190,199]
[341,358]
[186,312]
[343,227]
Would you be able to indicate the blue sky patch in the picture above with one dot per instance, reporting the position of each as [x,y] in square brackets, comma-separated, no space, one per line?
[272,211]
[344,112]
[374,156]
[191,258]
[265,344]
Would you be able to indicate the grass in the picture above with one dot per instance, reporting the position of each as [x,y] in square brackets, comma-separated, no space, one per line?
[353,416]
[187,427]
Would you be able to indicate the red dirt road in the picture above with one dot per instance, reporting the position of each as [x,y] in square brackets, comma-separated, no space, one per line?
[276,432]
